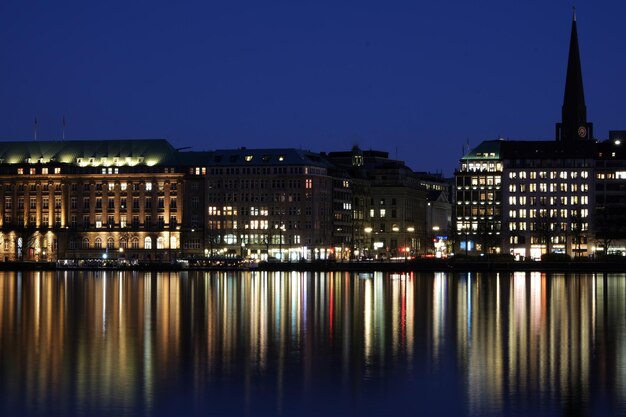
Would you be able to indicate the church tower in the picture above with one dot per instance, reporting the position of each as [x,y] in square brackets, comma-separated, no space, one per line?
[574,126]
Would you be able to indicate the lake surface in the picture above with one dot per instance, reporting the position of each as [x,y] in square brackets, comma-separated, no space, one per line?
[314,344]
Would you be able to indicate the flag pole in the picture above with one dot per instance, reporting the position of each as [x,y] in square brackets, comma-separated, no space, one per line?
[35,128]
[63,134]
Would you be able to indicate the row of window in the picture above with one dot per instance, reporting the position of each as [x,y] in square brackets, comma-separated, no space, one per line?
[266,170]
[44,221]
[43,171]
[123,243]
[551,187]
[548,174]
[548,227]
[482,166]
[552,200]
[258,239]
[45,203]
[275,225]
[259,198]
[466,181]
[110,186]
[552,213]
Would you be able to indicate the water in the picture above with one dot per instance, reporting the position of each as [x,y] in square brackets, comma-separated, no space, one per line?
[316,344]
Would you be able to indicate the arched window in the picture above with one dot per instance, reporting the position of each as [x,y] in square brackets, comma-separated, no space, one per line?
[98,243]
[160,244]
[85,243]
[123,243]
[135,243]
[147,243]
[110,243]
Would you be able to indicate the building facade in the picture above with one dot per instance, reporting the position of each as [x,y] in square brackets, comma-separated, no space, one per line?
[530,198]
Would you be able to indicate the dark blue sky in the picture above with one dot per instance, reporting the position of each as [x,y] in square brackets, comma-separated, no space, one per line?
[416,78]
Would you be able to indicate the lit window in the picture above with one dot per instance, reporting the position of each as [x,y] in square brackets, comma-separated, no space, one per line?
[383,212]
[147,243]
[248,158]
[148,186]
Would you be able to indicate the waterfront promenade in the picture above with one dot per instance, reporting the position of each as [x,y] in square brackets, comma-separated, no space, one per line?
[440,265]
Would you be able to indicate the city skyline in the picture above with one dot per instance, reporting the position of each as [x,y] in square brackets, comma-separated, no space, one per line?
[417,82]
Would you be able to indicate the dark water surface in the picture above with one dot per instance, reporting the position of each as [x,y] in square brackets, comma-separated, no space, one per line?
[316,344]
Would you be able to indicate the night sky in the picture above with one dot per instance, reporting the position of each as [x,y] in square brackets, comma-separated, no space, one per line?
[416,79]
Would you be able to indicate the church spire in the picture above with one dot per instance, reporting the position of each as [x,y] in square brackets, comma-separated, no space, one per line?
[574,125]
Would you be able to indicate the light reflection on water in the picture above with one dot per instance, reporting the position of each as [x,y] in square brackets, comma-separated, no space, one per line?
[135,343]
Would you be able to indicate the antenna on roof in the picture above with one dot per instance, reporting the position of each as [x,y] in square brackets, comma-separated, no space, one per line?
[35,125]
[63,128]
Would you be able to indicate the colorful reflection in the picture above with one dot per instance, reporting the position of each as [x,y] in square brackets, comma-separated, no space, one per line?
[141,343]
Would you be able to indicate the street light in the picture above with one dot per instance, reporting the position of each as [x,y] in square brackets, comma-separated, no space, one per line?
[409,230]
[368,231]
[435,230]
[396,229]
[280,242]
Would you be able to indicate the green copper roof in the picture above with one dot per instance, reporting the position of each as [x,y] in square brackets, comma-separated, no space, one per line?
[489,149]
[80,152]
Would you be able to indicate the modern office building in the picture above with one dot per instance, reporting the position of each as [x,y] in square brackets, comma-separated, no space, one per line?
[529,198]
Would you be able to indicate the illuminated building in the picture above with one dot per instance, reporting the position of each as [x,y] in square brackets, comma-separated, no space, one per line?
[529,198]
[270,202]
[90,199]
[389,204]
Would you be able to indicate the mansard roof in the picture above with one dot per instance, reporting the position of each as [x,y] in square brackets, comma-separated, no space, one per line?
[139,151]
[267,157]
